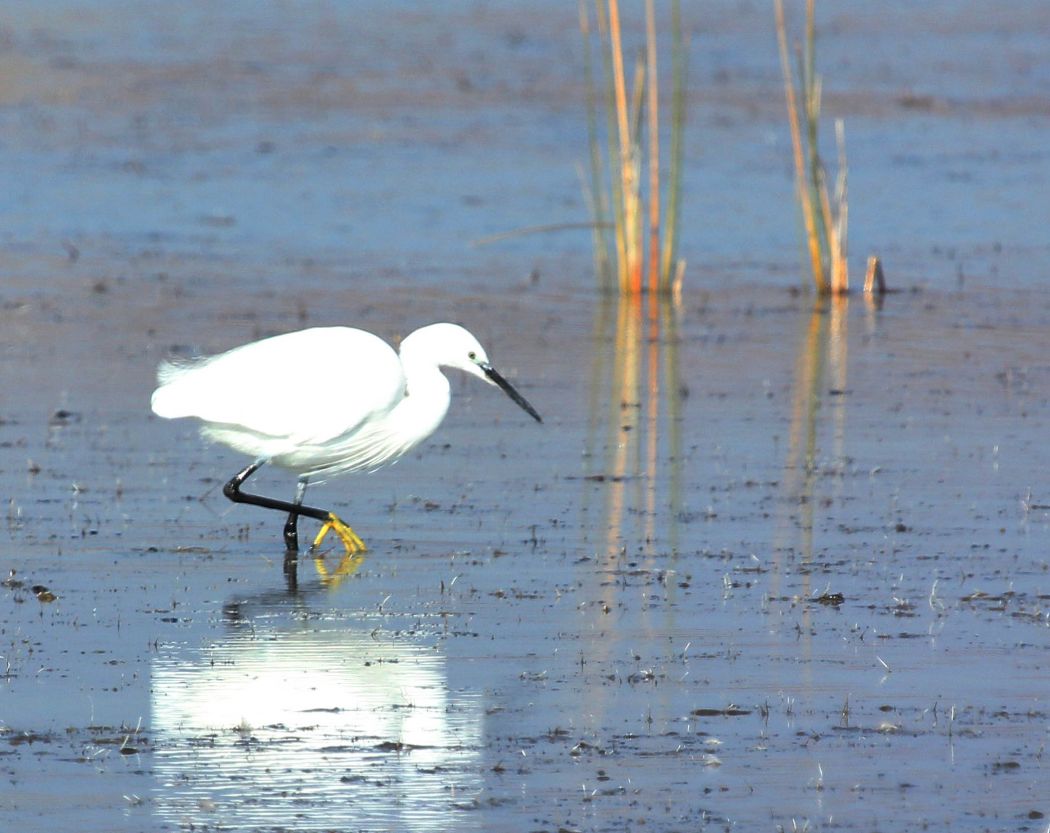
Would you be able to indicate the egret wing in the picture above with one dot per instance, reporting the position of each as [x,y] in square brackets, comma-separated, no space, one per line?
[309,386]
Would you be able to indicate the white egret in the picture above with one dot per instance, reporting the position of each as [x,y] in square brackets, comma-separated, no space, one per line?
[379,405]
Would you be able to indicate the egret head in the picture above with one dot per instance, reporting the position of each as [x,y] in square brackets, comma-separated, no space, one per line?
[450,345]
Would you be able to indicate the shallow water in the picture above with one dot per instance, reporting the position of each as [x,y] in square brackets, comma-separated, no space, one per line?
[804,601]
[764,565]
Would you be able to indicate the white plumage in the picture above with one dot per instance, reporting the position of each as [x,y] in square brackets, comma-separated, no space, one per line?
[251,399]
[323,401]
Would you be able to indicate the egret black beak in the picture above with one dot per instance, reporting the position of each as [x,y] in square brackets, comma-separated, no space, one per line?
[508,389]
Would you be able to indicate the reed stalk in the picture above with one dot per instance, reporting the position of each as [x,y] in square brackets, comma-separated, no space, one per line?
[644,239]
[654,146]
[672,270]
[825,219]
[629,195]
[594,194]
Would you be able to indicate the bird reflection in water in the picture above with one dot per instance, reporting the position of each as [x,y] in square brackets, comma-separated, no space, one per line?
[330,572]
[295,720]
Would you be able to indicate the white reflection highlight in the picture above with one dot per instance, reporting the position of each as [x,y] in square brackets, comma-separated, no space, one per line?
[313,729]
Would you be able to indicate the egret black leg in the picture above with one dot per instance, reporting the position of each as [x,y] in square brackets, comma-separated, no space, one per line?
[232,490]
[291,526]
[291,533]
[330,521]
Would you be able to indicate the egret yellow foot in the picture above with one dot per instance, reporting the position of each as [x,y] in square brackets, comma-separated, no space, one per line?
[350,539]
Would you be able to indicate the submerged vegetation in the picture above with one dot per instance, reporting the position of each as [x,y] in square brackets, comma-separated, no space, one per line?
[825,215]
[635,231]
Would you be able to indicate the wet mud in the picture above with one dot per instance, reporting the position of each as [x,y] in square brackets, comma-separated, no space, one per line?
[768,564]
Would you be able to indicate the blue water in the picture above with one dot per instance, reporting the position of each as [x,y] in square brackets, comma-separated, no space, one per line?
[631,613]
[378,138]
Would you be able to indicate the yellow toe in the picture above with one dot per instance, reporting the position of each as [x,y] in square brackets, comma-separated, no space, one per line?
[351,541]
[352,559]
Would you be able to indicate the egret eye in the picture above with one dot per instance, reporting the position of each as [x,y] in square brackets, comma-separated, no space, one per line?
[472,355]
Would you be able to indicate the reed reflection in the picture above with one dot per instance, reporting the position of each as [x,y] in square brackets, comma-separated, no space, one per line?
[633,453]
[818,407]
[310,724]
